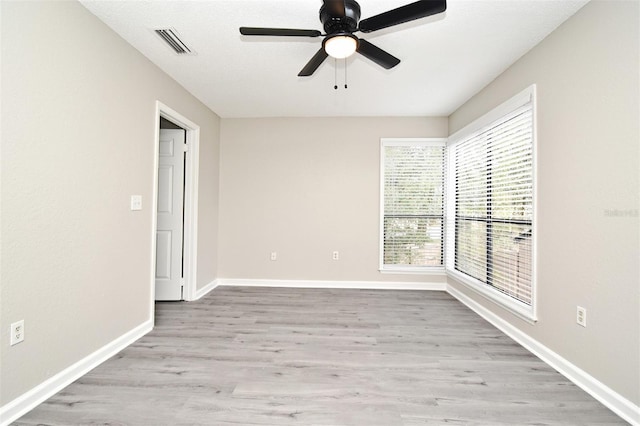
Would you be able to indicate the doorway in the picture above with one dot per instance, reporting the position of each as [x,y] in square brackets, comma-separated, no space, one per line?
[174,243]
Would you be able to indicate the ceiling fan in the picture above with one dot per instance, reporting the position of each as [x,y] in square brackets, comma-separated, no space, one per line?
[340,20]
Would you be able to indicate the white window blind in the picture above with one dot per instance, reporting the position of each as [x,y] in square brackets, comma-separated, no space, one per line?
[412,203]
[491,206]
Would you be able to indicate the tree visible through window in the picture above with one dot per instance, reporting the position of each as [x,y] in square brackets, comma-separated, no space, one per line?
[413,203]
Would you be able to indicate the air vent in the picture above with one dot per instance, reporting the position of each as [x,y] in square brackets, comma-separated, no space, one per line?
[170,37]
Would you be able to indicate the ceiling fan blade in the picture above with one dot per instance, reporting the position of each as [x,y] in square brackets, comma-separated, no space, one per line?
[314,63]
[286,32]
[409,12]
[377,55]
[335,8]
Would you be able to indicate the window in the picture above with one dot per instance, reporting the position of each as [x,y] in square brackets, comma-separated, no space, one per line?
[412,175]
[490,208]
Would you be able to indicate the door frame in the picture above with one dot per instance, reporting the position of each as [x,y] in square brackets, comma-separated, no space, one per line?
[190,234]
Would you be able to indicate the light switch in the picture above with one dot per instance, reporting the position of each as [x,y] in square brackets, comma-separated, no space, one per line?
[136,202]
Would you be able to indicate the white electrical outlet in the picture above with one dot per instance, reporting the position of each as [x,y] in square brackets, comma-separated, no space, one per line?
[336,255]
[274,255]
[16,332]
[136,202]
[581,316]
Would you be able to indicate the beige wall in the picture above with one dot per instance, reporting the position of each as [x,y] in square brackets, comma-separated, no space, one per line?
[76,262]
[304,187]
[587,76]
[78,117]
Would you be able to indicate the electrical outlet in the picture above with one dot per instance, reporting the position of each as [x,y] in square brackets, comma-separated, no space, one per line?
[274,255]
[136,202]
[336,255]
[16,332]
[581,316]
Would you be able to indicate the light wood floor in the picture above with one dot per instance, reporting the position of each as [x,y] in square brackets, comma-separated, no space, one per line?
[282,356]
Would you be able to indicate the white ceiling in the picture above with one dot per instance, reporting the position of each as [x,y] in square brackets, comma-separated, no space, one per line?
[446,58]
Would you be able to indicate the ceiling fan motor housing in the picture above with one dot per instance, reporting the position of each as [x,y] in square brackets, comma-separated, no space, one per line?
[346,23]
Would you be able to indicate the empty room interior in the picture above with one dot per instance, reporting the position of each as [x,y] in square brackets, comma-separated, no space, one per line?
[210,214]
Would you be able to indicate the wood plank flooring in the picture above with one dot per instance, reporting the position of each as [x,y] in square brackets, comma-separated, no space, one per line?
[283,356]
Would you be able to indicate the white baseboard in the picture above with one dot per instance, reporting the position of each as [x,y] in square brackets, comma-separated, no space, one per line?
[607,396]
[29,400]
[206,289]
[365,285]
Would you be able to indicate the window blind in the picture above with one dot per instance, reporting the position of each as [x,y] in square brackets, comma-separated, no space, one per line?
[492,190]
[412,203]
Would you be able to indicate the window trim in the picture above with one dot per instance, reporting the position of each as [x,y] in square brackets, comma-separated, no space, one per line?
[522,310]
[399,269]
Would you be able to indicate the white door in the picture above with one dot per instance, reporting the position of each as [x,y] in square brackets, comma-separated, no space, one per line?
[170,215]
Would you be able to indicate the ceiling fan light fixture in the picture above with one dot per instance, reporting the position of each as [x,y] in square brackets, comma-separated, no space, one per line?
[341,46]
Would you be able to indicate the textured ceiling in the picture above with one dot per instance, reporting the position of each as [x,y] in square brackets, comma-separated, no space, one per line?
[446,58]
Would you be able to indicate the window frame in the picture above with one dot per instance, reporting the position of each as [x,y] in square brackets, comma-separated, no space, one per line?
[406,269]
[488,120]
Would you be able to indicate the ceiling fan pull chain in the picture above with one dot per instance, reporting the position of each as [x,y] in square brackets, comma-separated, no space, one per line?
[335,74]
[345,73]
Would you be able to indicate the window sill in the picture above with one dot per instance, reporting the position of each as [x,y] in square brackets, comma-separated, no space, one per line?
[431,270]
[521,310]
